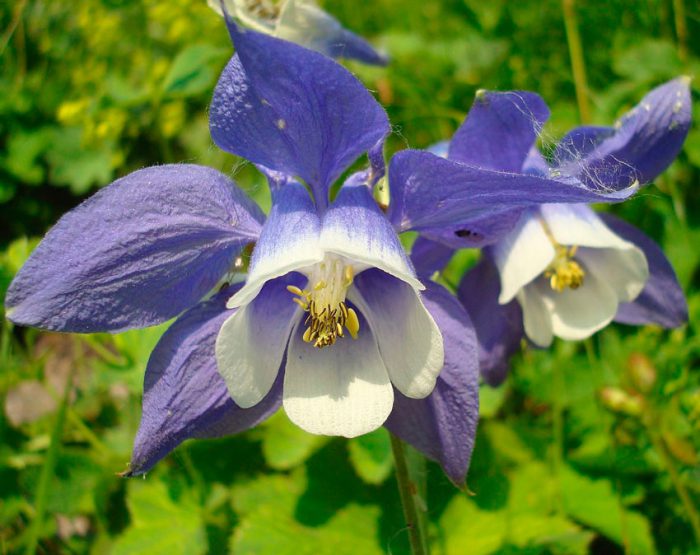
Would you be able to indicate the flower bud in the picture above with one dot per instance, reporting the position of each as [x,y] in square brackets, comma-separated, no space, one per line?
[642,372]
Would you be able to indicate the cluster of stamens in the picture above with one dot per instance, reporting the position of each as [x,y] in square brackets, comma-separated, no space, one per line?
[328,315]
[263,8]
[564,271]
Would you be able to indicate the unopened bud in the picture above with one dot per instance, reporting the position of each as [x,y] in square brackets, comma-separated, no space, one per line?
[617,400]
[642,372]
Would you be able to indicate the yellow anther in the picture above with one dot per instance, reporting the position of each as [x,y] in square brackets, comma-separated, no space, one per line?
[349,275]
[564,272]
[308,335]
[352,324]
[324,302]
[294,290]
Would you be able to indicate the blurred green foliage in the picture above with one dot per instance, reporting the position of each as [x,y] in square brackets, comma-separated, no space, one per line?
[591,447]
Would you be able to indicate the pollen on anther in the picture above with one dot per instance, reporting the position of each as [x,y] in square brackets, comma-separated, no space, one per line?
[294,290]
[352,323]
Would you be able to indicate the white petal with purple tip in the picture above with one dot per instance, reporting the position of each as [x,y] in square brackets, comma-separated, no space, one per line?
[355,228]
[251,343]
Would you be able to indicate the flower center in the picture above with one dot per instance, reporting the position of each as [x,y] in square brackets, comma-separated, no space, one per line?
[563,272]
[328,314]
[263,9]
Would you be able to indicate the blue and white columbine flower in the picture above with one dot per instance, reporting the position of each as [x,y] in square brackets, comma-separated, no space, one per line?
[331,321]
[555,269]
[301,22]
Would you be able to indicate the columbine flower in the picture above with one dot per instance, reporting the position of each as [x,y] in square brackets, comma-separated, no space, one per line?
[556,269]
[301,22]
[331,321]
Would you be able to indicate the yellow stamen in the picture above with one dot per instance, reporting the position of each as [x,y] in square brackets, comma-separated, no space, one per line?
[563,272]
[308,335]
[328,315]
[295,290]
[349,275]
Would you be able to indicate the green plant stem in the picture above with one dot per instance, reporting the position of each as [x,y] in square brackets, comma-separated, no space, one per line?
[681,29]
[558,393]
[104,353]
[690,508]
[16,18]
[409,491]
[47,470]
[578,65]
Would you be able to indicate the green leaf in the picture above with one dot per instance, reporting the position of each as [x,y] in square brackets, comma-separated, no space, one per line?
[77,165]
[370,455]
[286,445]
[161,525]
[595,504]
[649,60]
[24,150]
[194,70]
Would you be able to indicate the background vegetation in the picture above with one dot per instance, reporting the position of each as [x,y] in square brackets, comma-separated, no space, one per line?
[592,447]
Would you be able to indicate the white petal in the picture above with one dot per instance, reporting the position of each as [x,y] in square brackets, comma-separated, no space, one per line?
[626,270]
[536,318]
[289,241]
[251,344]
[304,23]
[579,313]
[578,224]
[340,390]
[522,255]
[409,340]
[239,9]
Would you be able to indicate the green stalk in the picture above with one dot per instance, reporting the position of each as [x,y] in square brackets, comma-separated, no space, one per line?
[660,446]
[557,447]
[578,65]
[681,29]
[47,470]
[411,501]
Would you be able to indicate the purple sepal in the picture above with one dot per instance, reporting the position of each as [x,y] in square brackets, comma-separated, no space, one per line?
[499,328]
[579,142]
[293,110]
[346,44]
[662,300]
[442,426]
[499,130]
[429,256]
[135,254]
[184,395]
[644,143]
[476,233]
[431,192]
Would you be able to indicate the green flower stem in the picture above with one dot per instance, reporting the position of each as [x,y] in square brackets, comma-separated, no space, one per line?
[660,446]
[578,65]
[681,29]
[557,448]
[47,470]
[413,504]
